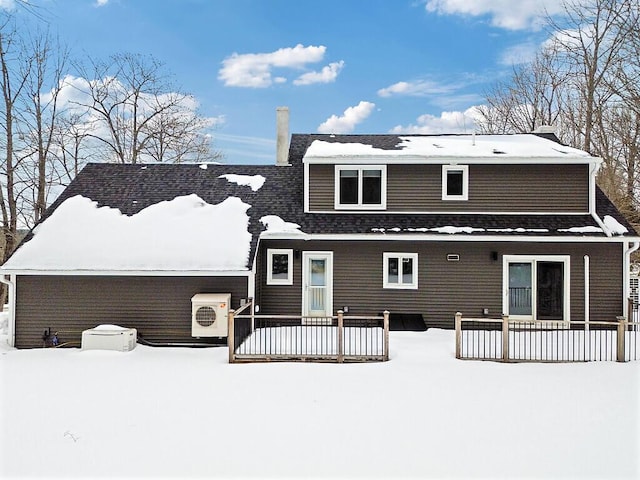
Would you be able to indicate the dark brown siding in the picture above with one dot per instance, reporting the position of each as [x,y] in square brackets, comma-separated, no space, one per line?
[469,286]
[159,307]
[280,299]
[322,182]
[492,188]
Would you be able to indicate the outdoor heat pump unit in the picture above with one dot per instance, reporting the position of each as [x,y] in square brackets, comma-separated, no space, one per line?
[210,314]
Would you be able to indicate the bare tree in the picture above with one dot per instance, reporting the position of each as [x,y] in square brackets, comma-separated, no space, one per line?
[180,135]
[15,69]
[528,100]
[617,138]
[42,113]
[137,110]
[625,79]
[587,45]
[72,149]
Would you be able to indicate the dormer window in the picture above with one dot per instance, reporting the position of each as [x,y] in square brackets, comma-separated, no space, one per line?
[455,182]
[361,187]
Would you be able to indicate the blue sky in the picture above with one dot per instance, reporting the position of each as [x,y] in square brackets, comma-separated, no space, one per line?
[341,66]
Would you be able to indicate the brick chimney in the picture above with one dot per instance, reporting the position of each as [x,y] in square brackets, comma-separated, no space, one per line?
[282,136]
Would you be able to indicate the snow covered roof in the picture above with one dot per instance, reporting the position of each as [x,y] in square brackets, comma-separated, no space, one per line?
[253,181]
[183,234]
[153,218]
[503,148]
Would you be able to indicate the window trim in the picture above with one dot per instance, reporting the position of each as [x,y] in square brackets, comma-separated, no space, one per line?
[385,271]
[279,281]
[360,169]
[465,182]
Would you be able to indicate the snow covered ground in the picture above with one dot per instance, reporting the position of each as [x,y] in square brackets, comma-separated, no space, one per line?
[170,412]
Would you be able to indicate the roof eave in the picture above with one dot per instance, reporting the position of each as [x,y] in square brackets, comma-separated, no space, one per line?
[125,273]
[462,237]
[447,160]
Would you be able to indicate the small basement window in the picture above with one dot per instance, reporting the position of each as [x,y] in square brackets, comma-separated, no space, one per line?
[455,182]
[400,270]
[279,266]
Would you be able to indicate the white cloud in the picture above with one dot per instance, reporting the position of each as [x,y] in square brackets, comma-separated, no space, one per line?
[254,69]
[246,140]
[523,14]
[327,75]
[100,3]
[7,4]
[420,88]
[454,102]
[447,122]
[519,54]
[349,119]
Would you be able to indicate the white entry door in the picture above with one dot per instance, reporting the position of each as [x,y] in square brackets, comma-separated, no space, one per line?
[317,285]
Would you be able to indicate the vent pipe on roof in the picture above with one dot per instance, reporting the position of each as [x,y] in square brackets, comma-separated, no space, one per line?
[282,136]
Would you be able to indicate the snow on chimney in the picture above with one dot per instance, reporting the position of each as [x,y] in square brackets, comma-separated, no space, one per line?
[282,136]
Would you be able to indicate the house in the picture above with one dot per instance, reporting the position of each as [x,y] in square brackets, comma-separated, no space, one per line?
[421,225]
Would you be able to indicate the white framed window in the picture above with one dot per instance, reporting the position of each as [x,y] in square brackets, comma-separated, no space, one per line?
[455,182]
[361,187]
[400,270]
[279,266]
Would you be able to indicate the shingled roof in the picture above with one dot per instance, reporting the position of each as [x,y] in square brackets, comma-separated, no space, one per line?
[132,188]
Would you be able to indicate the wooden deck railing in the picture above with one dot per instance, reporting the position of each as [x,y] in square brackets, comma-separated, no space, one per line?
[508,340]
[340,338]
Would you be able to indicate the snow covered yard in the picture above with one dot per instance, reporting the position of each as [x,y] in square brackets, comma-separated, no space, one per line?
[169,412]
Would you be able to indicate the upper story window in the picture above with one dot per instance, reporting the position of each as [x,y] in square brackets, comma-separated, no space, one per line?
[455,182]
[361,187]
[279,266]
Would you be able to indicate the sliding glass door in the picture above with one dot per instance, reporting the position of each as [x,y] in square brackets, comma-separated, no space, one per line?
[537,287]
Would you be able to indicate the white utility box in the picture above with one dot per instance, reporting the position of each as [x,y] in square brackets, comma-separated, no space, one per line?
[110,337]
